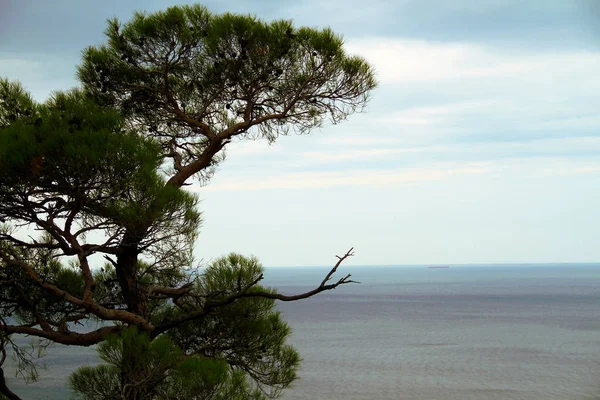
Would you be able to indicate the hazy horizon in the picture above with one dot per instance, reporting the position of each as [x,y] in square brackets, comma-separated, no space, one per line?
[483,264]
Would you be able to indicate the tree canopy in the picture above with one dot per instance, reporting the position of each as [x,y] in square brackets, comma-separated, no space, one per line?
[95,222]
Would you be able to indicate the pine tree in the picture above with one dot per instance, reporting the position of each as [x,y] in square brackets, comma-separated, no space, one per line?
[98,173]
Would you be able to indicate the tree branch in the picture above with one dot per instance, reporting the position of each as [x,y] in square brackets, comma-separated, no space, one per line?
[168,292]
[68,337]
[90,306]
[35,245]
[245,293]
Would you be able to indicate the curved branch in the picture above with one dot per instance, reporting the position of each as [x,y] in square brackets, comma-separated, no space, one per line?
[89,306]
[34,245]
[246,293]
[68,338]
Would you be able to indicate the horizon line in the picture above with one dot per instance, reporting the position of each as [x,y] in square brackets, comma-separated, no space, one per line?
[447,264]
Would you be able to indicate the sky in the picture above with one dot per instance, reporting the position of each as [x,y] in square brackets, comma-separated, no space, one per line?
[480,145]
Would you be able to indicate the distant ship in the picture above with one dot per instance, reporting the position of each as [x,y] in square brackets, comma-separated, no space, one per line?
[438,266]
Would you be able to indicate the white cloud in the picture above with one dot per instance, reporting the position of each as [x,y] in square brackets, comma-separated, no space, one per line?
[326,179]
[409,61]
[252,148]
[548,161]
[363,140]
[476,101]
[442,114]
[348,155]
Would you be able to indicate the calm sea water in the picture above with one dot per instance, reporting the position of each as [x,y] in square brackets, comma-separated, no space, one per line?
[528,332]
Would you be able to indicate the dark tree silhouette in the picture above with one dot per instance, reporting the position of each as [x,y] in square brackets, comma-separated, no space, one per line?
[98,174]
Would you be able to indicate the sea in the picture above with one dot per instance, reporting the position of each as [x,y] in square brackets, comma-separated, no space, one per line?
[467,332]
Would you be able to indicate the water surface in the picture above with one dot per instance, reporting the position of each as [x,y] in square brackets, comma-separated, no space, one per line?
[525,332]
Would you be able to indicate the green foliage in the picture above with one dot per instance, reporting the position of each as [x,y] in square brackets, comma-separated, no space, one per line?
[230,274]
[73,161]
[74,143]
[249,333]
[74,155]
[185,64]
[163,372]
[100,171]
[236,352]
[21,298]
[15,103]
[153,359]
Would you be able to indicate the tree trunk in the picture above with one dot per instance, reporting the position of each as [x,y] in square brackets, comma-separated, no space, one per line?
[132,385]
[126,270]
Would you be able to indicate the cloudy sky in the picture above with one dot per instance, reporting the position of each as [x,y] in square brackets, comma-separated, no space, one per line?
[481,144]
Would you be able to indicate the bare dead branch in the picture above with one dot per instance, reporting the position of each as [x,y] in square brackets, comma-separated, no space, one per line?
[349,253]
[210,305]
